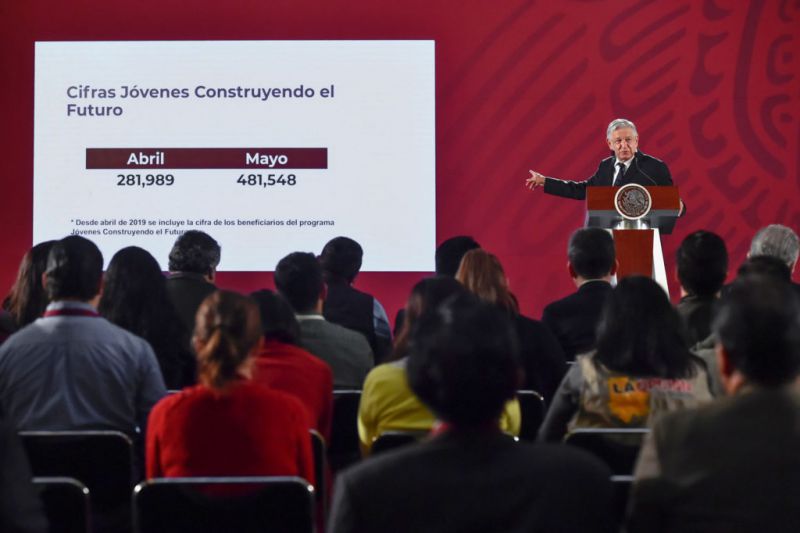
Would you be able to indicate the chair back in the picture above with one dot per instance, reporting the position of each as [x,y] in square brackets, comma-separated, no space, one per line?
[343,448]
[617,447]
[392,440]
[66,504]
[533,409]
[320,469]
[255,504]
[101,460]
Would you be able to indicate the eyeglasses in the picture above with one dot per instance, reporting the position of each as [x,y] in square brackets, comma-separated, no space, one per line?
[626,140]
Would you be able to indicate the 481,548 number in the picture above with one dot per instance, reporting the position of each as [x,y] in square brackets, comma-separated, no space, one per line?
[269,180]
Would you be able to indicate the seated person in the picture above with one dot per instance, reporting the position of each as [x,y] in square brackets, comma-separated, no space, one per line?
[591,262]
[542,357]
[702,266]
[471,477]
[642,367]
[283,365]
[387,402]
[780,242]
[27,299]
[71,369]
[135,298]
[298,278]
[732,465]
[347,306]
[228,425]
[193,263]
[447,259]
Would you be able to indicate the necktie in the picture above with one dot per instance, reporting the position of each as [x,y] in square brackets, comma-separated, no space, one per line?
[620,173]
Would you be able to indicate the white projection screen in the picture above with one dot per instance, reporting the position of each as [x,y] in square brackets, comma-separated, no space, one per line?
[268,146]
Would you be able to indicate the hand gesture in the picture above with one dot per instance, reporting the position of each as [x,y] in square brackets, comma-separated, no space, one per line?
[536,180]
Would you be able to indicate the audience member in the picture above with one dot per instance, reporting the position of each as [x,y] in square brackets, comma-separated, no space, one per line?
[763,265]
[298,277]
[542,357]
[470,477]
[27,300]
[344,305]
[135,298]
[228,425]
[702,266]
[732,465]
[641,368]
[447,258]
[283,365]
[20,507]
[72,369]
[192,265]
[778,241]
[387,402]
[591,262]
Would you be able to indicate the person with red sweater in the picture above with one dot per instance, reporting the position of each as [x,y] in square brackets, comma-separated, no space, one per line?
[283,365]
[228,425]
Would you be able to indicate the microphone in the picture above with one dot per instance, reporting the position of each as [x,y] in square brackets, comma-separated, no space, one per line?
[646,175]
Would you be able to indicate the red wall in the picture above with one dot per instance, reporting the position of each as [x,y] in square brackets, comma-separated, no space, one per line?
[712,85]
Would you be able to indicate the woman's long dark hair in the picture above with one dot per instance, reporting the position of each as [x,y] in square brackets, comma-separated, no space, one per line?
[427,294]
[27,300]
[135,298]
[640,332]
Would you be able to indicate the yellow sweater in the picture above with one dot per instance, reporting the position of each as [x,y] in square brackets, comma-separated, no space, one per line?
[388,404]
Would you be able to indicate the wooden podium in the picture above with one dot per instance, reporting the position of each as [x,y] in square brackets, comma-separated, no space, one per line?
[637,241]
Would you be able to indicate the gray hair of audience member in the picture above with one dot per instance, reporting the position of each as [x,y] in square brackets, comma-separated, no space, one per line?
[777,241]
[619,123]
[196,252]
[758,325]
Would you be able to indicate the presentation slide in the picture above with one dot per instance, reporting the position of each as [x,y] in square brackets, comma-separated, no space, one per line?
[268,146]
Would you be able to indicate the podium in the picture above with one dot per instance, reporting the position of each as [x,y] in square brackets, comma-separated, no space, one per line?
[636,216]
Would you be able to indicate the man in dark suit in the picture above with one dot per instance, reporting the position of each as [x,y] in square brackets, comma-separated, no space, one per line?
[626,165]
[732,465]
[470,476]
[347,306]
[193,264]
[702,266]
[591,264]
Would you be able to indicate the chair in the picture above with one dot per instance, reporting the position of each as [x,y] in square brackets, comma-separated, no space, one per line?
[622,489]
[617,447]
[320,470]
[66,504]
[391,440]
[533,410]
[343,449]
[259,504]
[101,460]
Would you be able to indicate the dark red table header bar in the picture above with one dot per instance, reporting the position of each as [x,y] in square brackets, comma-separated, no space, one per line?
[206,158]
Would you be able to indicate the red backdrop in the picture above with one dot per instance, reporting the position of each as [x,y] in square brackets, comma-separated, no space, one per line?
[712,85]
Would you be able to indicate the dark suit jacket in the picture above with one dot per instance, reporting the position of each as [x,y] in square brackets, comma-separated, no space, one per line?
[186,291]
[541,355]
[696,314]
[644,170]
[574,319]
[731,466]
[353,309]
[474,482]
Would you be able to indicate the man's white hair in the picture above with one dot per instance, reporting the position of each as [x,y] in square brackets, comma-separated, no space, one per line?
[619,123]
[777,241]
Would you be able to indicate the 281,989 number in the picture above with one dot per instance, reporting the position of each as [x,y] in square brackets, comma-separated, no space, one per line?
[147,180]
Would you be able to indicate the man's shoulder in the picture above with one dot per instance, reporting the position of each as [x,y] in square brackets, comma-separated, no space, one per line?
[334,331]
[647,159]
[588,292]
